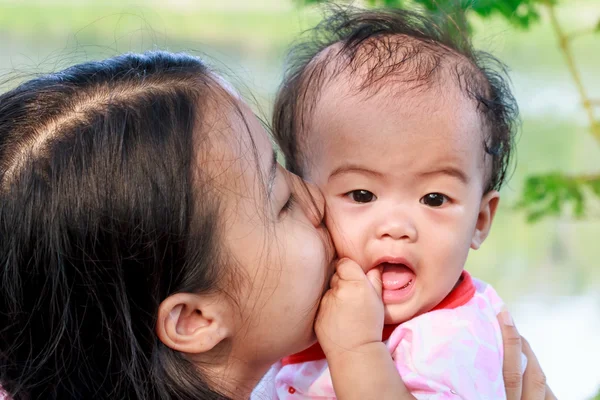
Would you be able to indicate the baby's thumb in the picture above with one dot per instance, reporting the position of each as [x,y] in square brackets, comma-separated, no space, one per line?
[374,276]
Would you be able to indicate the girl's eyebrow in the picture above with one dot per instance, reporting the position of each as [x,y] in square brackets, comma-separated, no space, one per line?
[272,174]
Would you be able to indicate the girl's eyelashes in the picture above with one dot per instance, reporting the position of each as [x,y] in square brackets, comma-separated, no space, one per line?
[289,204]
[361,196]
[434,199]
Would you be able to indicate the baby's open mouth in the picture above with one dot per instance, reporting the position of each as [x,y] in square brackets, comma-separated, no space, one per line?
[398,280]
[396,276]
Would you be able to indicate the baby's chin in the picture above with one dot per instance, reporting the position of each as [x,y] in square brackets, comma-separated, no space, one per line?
[396,314]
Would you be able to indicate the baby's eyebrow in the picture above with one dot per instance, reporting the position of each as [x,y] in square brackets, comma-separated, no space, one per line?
[450,171]
[272,174]
[347,168]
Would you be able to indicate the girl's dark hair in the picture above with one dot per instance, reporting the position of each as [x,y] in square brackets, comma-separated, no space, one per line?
[403,46]
[99,224]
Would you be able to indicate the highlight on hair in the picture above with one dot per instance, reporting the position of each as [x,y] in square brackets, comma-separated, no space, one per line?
[373,48]
[99,224]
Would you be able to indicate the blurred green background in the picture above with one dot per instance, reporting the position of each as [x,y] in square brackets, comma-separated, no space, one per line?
[547,271]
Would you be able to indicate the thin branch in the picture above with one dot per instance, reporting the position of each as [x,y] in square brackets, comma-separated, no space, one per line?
[563,42]
[578,34]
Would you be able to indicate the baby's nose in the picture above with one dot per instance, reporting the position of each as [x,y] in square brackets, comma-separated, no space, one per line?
[398,225]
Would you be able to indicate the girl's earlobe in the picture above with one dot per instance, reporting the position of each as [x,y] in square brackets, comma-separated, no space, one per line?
[487,211]
[192,323]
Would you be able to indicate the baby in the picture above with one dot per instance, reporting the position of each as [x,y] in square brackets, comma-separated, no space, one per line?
[408,134]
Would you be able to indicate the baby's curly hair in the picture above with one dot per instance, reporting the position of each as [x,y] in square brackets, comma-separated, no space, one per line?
[373,49]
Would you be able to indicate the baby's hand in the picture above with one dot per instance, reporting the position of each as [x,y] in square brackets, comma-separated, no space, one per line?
[351,312]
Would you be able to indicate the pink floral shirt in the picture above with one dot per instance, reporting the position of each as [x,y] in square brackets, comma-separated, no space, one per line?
[452,352]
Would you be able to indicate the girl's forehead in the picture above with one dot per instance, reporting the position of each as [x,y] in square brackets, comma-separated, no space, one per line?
[240,151]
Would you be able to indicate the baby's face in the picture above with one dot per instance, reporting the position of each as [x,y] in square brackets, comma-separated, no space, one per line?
[403,178]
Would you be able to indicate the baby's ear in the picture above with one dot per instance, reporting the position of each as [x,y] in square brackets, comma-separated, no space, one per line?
[193,323]
[487,210]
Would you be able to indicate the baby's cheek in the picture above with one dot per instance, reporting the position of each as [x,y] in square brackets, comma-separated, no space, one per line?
[344,233]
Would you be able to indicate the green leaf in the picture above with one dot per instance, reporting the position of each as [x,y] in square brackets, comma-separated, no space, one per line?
[520,13]
[595,186]
[393,3]
[554,194]
[598,26]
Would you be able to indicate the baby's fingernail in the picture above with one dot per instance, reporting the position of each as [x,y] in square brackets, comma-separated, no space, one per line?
[506,318]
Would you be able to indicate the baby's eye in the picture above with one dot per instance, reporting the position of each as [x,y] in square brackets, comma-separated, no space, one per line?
[361,196]
[434,199]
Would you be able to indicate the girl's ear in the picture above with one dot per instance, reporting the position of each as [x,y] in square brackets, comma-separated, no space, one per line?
[192,323]
[487,210]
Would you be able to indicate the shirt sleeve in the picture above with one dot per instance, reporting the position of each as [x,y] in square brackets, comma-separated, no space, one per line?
[3,394]
[265,390]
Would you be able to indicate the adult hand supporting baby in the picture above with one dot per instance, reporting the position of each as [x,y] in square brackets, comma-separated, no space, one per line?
[531,385]
[349,326]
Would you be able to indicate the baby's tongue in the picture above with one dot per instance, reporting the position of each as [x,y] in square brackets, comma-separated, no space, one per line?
[396,276]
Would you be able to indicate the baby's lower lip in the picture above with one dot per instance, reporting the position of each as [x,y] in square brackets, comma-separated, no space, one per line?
[398,283]
[395,296]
